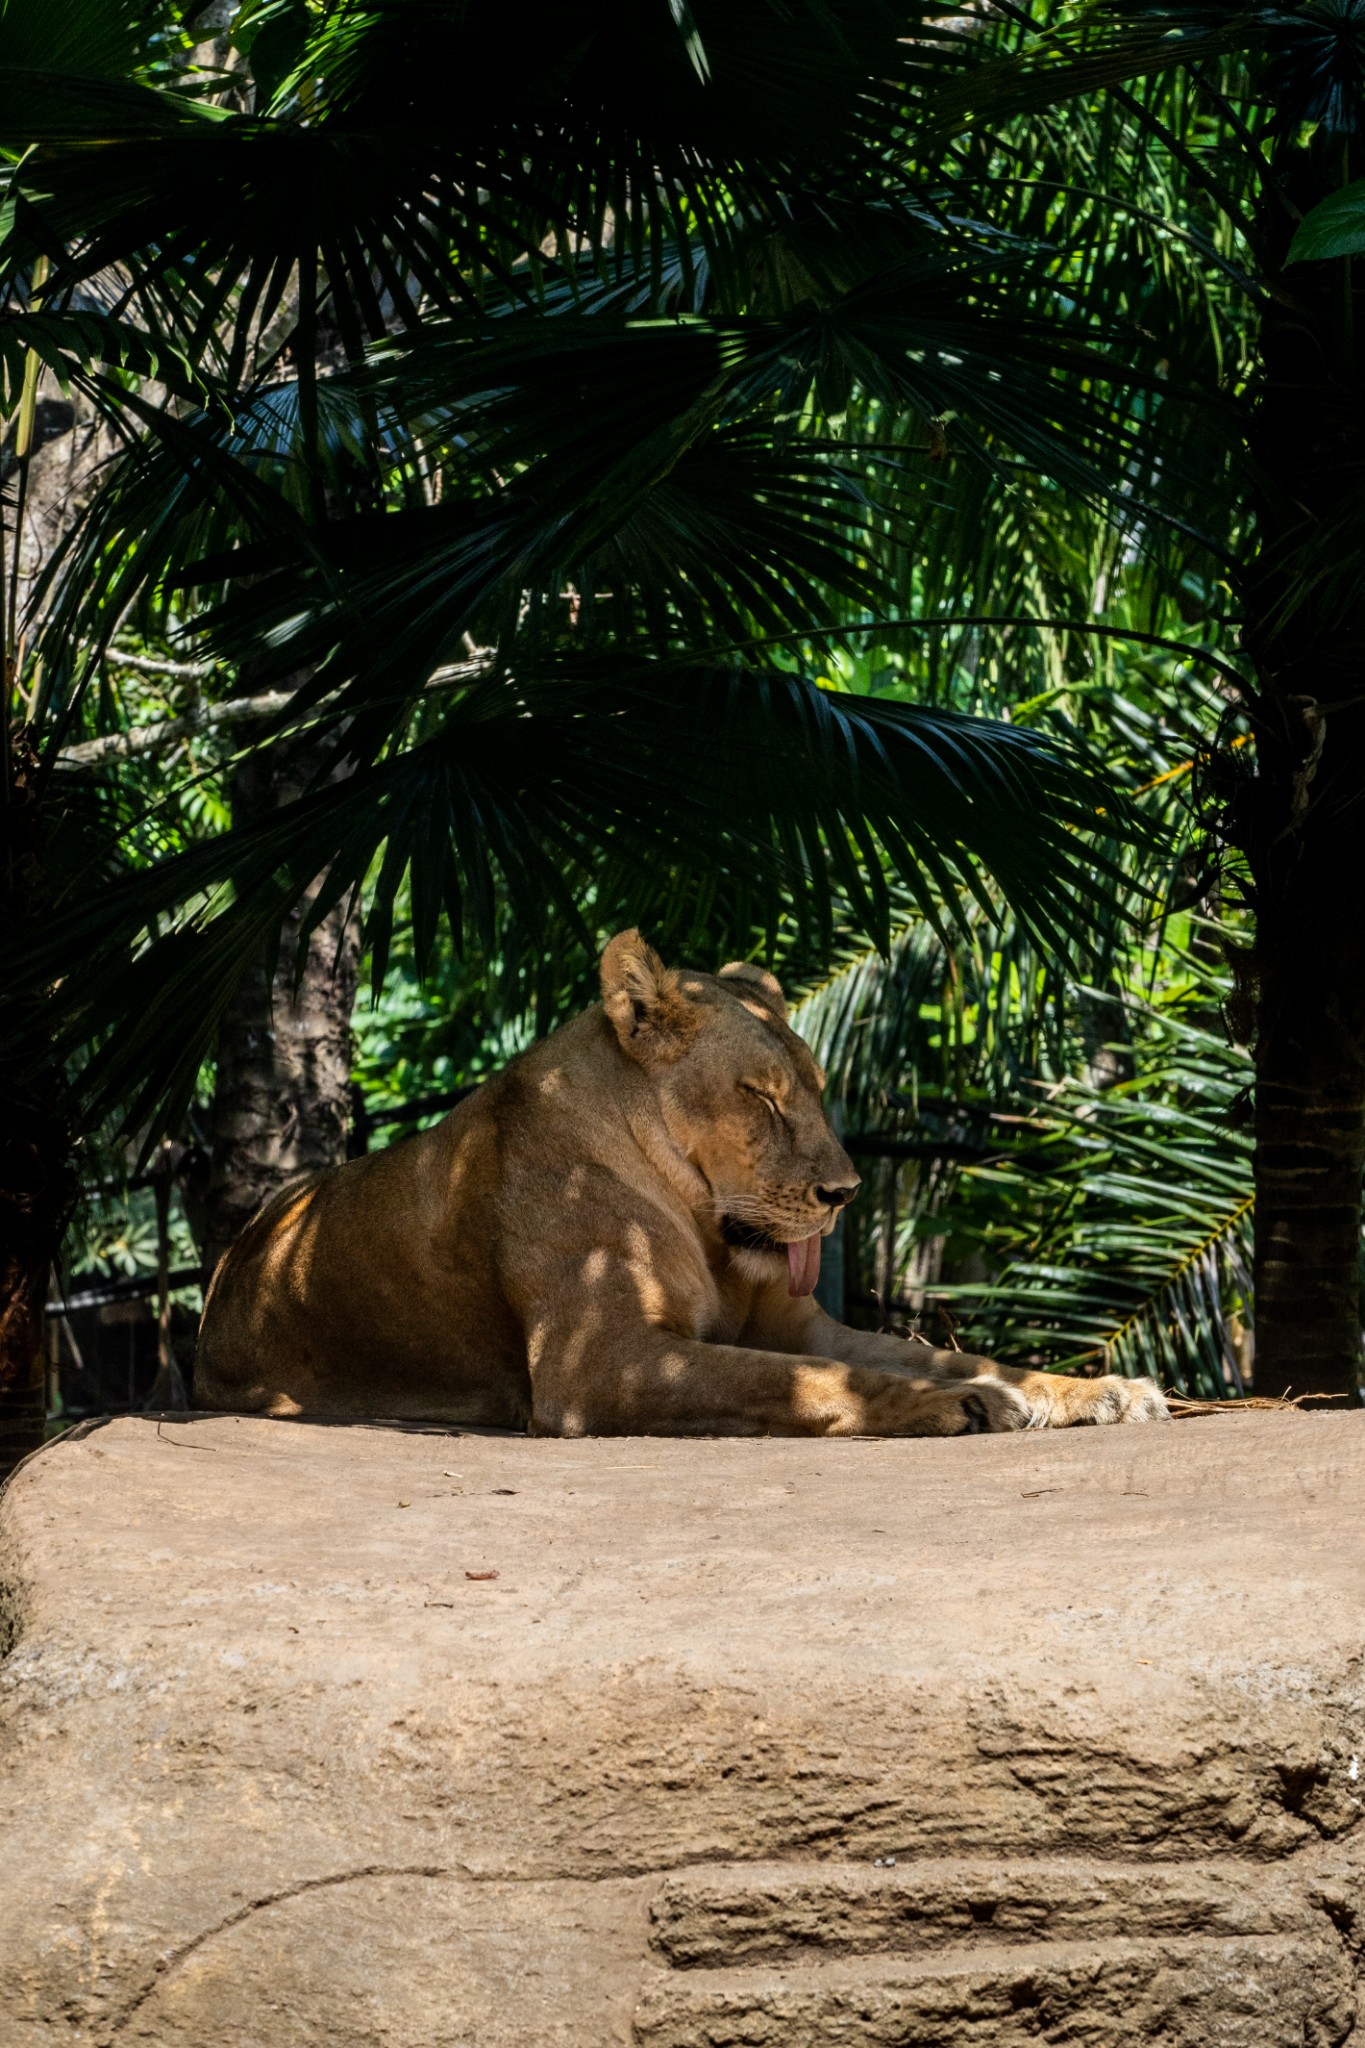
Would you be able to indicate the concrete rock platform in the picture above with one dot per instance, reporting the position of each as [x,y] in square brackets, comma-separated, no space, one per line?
[354,1735]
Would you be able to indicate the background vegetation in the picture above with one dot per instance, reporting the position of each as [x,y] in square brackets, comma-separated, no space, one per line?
[808,481]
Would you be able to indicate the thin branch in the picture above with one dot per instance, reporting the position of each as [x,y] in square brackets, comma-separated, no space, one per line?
[150,739]
[200,718]
[157,665]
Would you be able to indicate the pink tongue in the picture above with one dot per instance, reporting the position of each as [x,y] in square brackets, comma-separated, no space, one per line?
[804,1262]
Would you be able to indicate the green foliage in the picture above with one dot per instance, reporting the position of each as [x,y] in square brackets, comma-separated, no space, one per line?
[424,1035]
[701,492]
[1066,1165]
[1119,1220]
[1334,227]
[114,1237]
[1053,1156]
[778,475]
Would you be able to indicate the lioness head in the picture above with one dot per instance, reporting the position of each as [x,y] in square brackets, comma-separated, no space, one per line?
[739,1095]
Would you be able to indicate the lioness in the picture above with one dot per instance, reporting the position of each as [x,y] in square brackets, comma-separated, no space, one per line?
[621,1233]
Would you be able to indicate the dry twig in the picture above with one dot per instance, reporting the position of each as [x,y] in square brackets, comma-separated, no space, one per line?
[1182,1407]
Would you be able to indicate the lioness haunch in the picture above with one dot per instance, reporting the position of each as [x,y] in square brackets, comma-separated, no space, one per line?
[621,1233]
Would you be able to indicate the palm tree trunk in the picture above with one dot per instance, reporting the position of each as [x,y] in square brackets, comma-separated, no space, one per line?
[281,1102]
[35,1189]
[37,1180]
[1310,1132]
[38,1185]
[1301,823]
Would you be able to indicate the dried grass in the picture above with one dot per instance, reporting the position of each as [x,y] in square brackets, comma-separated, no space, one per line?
[1183,1408]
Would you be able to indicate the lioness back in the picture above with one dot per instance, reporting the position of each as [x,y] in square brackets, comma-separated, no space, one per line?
[371,1290]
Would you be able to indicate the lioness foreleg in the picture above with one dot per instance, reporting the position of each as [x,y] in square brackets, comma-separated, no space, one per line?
[653,1383]
[1055,1401]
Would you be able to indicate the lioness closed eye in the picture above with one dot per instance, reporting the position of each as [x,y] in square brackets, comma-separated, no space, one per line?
[621,1233]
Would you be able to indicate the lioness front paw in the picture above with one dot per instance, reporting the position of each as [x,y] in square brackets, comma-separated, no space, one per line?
[990,1405]
[1122,1400]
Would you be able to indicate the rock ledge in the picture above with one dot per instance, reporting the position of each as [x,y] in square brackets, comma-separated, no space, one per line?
[337,1735]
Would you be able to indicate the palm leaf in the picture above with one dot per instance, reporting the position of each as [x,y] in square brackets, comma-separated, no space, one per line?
[1126,1221]
[533,784]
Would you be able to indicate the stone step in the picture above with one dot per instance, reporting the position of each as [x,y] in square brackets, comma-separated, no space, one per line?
[714,1918]
[1265,1991]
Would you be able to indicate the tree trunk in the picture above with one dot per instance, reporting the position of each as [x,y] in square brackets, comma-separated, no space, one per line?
[1301,820]
[37,1179]
[1310,1132]
[281,1101]
[36,1187]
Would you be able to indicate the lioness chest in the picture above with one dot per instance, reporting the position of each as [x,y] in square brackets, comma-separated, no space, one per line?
[722,1314]
[677,1283]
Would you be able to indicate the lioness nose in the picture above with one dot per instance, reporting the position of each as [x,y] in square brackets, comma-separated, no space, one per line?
[837,1196]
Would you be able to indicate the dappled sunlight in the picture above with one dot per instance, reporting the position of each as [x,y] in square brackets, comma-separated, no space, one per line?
[641,1264]
[887,597]
[538,1259]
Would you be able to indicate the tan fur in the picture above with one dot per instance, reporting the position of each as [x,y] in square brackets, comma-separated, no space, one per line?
[553,1253]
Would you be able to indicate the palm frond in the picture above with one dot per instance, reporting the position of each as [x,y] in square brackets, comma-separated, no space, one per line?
[1126,1222]
[1105,46]
[531,785]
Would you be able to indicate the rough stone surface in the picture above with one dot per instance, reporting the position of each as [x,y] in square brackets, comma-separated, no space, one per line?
[1041,1738]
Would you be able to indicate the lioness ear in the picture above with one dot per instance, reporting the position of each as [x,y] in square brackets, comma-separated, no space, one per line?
[766,987]
[649,1013]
